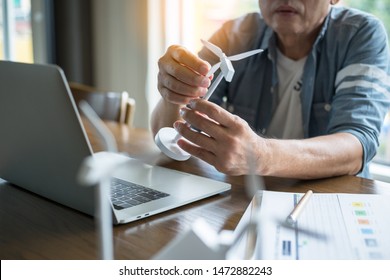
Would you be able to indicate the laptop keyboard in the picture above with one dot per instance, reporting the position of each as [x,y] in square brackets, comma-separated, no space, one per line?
[125,194]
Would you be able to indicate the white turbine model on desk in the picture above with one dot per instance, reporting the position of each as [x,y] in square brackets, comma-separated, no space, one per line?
[202,242]
[167,137]
[98,171]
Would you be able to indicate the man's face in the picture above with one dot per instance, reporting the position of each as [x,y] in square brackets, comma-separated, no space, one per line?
[294,17]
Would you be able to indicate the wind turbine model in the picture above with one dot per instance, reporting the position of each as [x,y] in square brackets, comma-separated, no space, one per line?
[167,137]
[202,242]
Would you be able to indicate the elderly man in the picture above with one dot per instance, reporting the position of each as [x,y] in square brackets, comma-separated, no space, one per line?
[310,106]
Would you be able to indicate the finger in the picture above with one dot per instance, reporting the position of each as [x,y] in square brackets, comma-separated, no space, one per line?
[214,112]
[176,91]
[173,97]
[185,57]
[197,138]
[179,63]
[202,123]
[192,143]
[198,152]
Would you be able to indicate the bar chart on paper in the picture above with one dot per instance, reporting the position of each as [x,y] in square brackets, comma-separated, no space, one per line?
[332,226]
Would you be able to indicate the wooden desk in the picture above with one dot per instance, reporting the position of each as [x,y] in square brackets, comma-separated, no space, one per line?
[32,227]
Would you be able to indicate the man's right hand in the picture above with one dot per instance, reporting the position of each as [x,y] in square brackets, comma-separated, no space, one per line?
[182,76]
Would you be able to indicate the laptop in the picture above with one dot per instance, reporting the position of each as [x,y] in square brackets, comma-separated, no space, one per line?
[43,144]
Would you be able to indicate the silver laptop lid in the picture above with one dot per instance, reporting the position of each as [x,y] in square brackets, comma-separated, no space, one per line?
[34,150]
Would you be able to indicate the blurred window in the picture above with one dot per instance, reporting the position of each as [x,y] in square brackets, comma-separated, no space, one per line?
[1,31]
[15,30]
[199,19]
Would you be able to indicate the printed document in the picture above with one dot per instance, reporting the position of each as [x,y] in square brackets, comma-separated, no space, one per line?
[331,226]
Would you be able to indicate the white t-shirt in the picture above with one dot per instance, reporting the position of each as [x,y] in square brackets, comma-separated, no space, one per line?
[287,122]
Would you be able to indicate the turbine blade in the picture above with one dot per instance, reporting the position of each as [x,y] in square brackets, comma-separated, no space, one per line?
[213,69]
[216,50]
[244,55]
[213,86]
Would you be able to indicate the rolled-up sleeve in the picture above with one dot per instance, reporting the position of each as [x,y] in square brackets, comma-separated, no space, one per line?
[362,88]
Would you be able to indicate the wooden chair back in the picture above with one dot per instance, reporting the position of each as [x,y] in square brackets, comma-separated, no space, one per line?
[109,105]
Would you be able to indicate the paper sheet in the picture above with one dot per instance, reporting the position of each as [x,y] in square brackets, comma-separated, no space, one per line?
[332,226]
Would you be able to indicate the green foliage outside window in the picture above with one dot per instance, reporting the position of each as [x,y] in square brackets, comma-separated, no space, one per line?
[379,8]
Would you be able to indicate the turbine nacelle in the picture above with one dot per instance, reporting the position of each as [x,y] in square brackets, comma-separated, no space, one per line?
[225,62]
[227,68]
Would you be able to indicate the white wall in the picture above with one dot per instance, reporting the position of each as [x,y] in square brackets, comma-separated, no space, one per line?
[39,35]
[156,48]
[121,50]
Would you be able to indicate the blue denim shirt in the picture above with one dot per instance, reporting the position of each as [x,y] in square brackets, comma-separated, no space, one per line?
[345,81]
